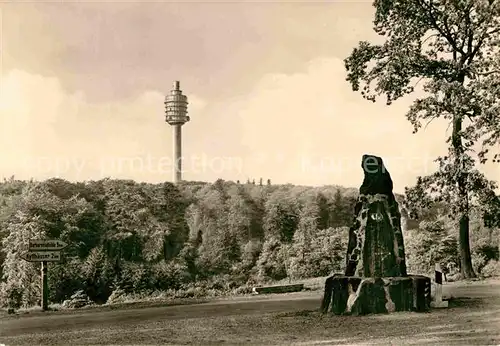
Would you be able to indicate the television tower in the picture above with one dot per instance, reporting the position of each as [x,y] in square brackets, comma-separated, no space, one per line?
[176,116]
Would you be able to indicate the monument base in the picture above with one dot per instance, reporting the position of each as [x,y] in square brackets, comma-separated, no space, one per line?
[361,296]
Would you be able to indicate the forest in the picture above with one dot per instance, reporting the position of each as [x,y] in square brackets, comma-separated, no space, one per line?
[196,239]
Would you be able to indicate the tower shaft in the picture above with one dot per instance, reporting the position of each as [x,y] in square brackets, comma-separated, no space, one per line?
[177,152]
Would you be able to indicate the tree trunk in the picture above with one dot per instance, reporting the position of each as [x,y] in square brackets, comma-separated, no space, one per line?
[466,268]
[465,254]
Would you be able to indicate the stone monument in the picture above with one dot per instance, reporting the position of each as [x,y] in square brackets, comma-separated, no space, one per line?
[375,279]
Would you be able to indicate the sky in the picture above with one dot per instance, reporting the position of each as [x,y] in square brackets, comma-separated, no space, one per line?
[82,86]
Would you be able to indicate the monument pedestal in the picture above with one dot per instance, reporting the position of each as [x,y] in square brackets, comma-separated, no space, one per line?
[361,296]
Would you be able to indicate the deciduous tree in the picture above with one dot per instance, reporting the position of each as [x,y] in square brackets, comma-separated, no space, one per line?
[452,46]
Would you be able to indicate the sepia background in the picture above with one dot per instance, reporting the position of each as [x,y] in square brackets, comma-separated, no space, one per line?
[83,84]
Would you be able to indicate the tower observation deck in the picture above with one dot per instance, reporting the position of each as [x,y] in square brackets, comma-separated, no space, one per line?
[176,115]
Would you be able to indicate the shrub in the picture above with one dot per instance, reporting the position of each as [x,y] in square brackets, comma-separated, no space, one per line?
[271,264]
[491,269]
[430,245]
[479,260]
[135,277]
[191,292]
[117,296]
[64,279]
[490,252]
[21,290]
[326,255]
[169,275]
[482,254]
[98,275]
[245,289]
[77,300]
[222,283]
[14,298]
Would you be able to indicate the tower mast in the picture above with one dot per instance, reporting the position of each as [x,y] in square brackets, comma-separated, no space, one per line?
[176,115]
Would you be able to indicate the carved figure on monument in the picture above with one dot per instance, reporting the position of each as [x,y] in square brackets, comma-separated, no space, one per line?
[375,279]
[375,247]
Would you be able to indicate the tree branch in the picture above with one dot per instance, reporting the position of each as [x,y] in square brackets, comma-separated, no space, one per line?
[451,34]
[487,73]
[470,33]
[467,25]
[416,83]
[434,23]
[432,118]
[494,31]
[476,49]
[483,36]
[433,35]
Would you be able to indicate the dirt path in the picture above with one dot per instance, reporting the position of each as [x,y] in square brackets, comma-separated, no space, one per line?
[289,319]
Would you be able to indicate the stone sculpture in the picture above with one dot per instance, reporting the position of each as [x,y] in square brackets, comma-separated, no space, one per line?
[375,240]
[375,279]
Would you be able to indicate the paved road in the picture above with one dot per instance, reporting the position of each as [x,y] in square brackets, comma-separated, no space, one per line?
[54,321]
[247,320]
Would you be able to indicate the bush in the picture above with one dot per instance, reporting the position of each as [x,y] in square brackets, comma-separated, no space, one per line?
[64,279]
[191,292]
[490,252]
[221,283]
[482,254]
[430,245]
[246,289]
[169,275]
[117,296]
[98,275]
[134,277]
[491,269]
[479,260]
[14,298]
[146,277]
[271,264]
[326,254]
[21,292]
[78,300]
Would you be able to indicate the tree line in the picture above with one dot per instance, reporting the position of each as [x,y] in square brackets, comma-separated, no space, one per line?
[140,237]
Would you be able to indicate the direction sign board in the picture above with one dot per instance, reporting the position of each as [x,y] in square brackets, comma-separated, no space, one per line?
[41,256]
[46,245]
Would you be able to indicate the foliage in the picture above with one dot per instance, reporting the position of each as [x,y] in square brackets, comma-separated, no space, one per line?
[453,47]
[491,269]
[433,242]
[132,239]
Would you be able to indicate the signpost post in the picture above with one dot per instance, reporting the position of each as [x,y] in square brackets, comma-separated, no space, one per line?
[44,250]
[438,297]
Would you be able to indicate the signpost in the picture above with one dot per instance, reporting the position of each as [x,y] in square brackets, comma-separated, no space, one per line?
[46,245]
[438,297]
[41,256]
[44,250]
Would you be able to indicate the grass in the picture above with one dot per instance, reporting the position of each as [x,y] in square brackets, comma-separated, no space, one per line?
[162,298]
[167,298]
[310,284]
[33,309]
[135,304]
[472,321]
